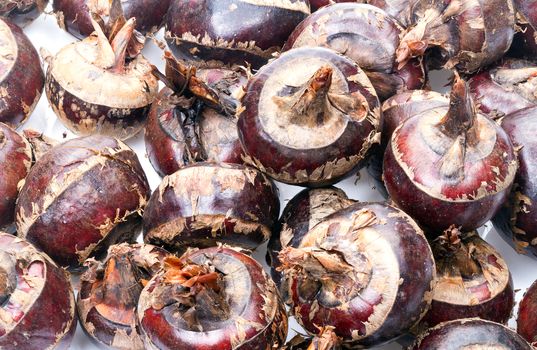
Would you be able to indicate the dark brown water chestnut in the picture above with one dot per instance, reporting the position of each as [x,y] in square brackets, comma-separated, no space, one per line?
[450,166]
[467,35]
[21,75]
[74,16]
[194,119]
[470,334]
[326,340]
[81,197]
[366,270]
[203,204]
[309,117]
[215,298]
[37,304]
[395,111]
[109,293]
[526,321]
[22,11]
[517,219]
[102,84]
[209,32]
[505,88]
[473,280]
[301,213]
[367,35]
[15,163]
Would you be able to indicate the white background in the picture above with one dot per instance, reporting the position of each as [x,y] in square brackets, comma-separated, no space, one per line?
[45,33]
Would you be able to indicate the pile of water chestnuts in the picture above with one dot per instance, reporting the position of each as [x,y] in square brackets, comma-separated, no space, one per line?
[147,223]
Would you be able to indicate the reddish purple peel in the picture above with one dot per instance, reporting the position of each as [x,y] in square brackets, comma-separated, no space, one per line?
[229,32]
[206,203]
[301,213]
[473,281]
[233,287]
[450,166]
[40,288]
[197,122]
[91,190]
[15,162]
[517,218]
[318,134]
[395,111]
[526,321]
[368,36]
[74,16]
[470,333]
[21,75]
[458,34]
[505,88]
[110,291]
[331,281]
[120,86]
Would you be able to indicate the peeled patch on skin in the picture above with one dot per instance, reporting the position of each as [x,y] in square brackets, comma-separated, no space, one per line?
[323,202]
[278,122]
[8,52]
[74,69]
[100,7]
